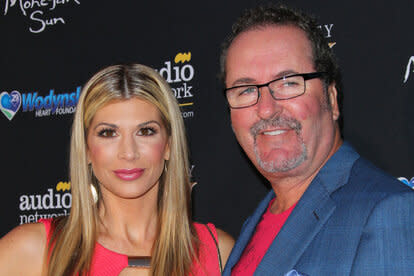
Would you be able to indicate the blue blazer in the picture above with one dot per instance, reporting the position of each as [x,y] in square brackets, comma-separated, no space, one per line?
[352,220]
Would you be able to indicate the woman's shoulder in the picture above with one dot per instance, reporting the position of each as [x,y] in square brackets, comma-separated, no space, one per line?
[206,232]
[22,250]
[26,237]
[225,241]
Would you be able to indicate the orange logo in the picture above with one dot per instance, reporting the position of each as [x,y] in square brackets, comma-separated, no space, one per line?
[63,186]
[182,57]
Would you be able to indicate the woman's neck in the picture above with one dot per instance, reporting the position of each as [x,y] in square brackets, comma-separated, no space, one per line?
[128,226]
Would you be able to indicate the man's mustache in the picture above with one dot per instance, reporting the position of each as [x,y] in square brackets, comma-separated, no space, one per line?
[279,121]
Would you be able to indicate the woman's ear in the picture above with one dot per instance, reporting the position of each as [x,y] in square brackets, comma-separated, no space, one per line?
[88,158]
[167,150]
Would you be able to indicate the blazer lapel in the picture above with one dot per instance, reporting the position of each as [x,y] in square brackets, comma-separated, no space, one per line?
[310,214]
[305,221]
[246,233]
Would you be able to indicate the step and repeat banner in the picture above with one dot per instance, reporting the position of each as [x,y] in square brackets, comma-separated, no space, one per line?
[50,48]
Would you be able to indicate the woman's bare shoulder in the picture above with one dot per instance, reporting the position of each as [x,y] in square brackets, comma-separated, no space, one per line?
[226,243]
[22,250]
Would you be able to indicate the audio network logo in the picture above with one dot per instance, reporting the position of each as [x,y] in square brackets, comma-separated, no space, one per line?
[47,205]
[179,73]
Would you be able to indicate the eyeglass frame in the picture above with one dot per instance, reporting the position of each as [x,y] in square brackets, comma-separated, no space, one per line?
[306,76]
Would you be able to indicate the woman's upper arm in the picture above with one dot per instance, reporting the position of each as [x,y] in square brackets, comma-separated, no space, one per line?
[226,243]
[23,250]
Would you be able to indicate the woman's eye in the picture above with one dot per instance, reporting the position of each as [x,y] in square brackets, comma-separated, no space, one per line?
[107,133]
[146,131]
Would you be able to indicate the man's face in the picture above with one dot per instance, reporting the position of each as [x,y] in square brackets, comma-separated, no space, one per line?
[291,136]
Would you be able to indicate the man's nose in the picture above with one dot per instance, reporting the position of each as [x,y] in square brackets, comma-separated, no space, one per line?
[267,107]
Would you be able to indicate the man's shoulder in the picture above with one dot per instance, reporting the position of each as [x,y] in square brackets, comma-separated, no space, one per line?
[347,168]
[347,173]
[367,186]
[368,177]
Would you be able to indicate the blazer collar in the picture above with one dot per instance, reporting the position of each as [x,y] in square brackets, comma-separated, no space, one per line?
[306,220]
[311,212]
[335,172]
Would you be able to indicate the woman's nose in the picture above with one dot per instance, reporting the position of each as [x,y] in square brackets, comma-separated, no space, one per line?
[128,148]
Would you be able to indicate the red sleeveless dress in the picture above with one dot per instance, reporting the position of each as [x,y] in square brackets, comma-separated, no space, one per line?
[109,263]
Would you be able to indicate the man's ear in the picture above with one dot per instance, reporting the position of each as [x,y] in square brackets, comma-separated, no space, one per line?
[333,101]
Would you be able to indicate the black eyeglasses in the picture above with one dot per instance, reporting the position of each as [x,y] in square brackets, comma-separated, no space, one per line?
[283,88]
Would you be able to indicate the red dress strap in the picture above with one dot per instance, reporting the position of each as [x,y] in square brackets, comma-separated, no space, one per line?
[208,259]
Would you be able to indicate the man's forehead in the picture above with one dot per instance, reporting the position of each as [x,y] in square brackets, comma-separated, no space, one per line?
[271,48]
[271,30]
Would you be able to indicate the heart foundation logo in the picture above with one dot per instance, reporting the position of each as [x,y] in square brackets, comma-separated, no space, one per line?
[10,103]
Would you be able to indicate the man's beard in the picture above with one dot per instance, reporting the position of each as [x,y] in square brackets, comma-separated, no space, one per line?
[287,164]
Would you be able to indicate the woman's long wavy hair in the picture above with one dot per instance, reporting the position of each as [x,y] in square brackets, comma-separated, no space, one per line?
[73,239]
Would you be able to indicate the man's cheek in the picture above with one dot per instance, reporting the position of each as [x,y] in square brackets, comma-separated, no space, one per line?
[240,119]
[307,110]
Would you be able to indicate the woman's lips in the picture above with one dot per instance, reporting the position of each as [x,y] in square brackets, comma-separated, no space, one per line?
[129,174]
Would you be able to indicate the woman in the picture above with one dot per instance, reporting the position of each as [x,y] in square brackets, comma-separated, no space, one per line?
[128,143]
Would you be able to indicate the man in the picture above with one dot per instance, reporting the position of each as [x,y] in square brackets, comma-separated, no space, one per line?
[330,212]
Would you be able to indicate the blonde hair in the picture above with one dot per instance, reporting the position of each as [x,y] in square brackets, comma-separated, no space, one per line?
[73,240]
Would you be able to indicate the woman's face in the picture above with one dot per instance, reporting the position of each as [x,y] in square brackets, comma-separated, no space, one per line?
[127,147]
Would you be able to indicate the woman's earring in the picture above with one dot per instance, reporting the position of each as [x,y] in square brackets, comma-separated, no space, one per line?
[92,187]
[94,193]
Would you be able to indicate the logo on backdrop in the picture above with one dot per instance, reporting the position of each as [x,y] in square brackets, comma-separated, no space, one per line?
[409,69]
[42,105]
[10,103]
[179,73]
[407,182]
[52,203]
[42,13]
[327,31]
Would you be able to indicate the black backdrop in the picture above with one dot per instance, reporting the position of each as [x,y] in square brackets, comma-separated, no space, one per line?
[50,48]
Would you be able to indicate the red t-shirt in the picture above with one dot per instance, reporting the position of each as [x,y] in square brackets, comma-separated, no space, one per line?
[266,231]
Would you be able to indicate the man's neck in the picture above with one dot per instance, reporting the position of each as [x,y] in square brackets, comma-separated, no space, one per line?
[289,189]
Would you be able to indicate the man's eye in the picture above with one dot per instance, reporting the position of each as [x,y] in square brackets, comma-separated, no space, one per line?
[247,90]
[290,83]
[107,133]
[146,131]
